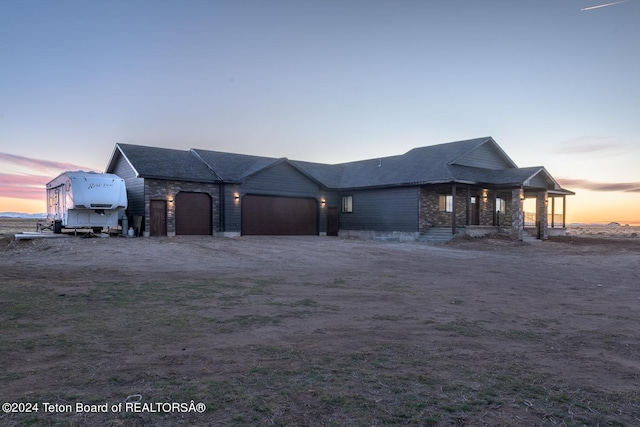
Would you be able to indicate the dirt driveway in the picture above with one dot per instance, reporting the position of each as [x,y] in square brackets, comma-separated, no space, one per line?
[320,331]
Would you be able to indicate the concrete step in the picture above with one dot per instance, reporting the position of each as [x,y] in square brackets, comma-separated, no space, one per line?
[530,236]
[435,235]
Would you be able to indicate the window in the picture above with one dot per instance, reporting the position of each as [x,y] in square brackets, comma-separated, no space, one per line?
[446,203]
[501,206]
[347,204]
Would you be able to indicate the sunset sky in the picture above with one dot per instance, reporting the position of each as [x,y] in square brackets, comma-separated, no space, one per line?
[554,82]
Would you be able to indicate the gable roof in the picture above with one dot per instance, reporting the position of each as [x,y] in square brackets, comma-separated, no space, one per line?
[231,167]
[163,163]
[424,165]
[443,163]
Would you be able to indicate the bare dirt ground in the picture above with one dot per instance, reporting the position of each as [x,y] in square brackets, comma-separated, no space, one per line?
[316,331]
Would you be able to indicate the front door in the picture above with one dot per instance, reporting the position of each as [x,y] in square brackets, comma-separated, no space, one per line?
[474,211]
[158,218]
[332,221]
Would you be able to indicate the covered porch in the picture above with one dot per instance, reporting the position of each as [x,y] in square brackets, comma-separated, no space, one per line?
[478,209]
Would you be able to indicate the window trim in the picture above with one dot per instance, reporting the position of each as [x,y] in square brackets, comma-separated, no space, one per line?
[445,203]
[501,205]
[346,204]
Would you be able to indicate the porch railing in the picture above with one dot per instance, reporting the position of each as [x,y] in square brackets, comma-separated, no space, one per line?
[530,219]
[556,220]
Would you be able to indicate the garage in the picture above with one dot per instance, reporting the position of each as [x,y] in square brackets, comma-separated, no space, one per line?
[193,213]
[271,215]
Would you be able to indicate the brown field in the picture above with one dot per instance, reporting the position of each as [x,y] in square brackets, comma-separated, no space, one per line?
[314,331]
[10,226]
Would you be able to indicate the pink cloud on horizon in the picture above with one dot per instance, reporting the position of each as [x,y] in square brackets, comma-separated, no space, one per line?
[30,162]
[18,186]
[27,193]
[30,186]
[600,145]
[627,187]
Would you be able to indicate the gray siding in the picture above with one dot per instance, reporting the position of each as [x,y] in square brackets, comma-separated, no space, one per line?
[486,156]
[135,186]
[281,180]
[390,209]
[539,181]
[232,212]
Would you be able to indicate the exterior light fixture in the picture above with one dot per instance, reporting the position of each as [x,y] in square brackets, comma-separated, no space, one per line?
[323,202]
[236,197]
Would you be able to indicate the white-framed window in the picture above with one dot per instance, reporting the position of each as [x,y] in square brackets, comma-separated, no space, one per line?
[501,206]
[347,204]
[445,203]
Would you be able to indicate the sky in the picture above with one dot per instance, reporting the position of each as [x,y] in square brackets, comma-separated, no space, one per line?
[555,82]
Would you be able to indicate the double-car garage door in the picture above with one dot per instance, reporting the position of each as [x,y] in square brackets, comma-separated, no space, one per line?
[261,215]
[271,215]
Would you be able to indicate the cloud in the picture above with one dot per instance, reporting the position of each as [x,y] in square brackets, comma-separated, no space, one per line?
[23,186]
[627,187]
[593,144]
[585,9]
[30,184]
[23,193]
[30,162]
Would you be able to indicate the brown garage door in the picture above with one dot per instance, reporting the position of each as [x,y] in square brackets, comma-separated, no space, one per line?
[193,213]
[267,215]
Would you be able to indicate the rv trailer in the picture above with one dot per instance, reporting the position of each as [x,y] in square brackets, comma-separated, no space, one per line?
[86,199]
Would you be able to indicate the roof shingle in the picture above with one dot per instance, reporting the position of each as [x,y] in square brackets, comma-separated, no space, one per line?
[425,165]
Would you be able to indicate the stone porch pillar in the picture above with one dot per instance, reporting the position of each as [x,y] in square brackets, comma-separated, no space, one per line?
[542,203]
[517,214]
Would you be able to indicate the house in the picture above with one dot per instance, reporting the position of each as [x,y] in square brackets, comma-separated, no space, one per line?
[470,187]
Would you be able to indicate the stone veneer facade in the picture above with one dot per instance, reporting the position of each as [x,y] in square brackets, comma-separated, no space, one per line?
[517,213]
[167,190]
[542,203]
[430,214]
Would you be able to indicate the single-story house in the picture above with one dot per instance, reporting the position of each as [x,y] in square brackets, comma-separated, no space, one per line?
[469,186]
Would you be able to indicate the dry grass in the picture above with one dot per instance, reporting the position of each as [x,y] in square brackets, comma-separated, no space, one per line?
[381,381]
[11,226]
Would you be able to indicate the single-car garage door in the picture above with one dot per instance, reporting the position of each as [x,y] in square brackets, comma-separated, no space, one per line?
[193,213]
[269,215]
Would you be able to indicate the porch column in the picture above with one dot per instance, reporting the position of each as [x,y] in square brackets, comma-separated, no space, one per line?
[493,208]
[468,202]
[542,203]
[517,218]
[453,210]
[564,211]
[553,212]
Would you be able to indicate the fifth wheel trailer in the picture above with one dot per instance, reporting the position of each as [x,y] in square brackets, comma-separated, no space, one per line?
[86,199]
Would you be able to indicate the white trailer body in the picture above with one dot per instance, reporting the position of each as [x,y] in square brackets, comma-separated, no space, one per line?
[86,199]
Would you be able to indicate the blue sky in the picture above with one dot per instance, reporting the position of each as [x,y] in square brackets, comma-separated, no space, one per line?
[328,81]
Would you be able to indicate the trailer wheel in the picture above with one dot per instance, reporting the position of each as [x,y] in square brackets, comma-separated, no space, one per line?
[97,230]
